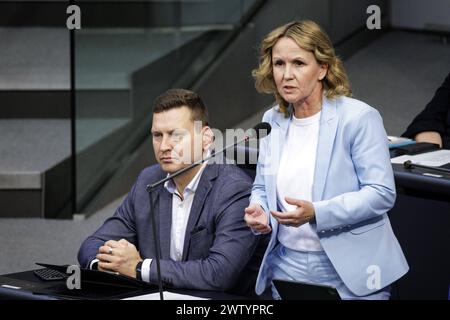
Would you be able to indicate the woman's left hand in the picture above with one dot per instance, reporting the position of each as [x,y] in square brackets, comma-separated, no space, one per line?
[302,214]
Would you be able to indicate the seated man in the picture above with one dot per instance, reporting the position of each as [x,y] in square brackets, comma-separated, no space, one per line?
[205,243]
[433,123]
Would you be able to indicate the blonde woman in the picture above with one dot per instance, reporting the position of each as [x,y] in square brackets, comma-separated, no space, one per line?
[324,181]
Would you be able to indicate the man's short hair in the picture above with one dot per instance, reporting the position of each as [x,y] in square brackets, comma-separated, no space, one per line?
[177,98]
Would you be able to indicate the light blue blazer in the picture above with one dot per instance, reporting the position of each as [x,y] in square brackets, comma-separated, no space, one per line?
[352,191]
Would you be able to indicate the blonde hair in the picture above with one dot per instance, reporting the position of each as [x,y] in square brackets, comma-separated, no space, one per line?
[309,36]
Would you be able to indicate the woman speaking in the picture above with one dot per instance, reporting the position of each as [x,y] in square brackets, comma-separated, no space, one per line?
[324,180]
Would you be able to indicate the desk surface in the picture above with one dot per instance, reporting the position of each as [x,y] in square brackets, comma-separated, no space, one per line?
[29,285]
[420,179]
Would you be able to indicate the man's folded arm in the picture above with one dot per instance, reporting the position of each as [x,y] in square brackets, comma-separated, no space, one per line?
[120,226]
[232,248]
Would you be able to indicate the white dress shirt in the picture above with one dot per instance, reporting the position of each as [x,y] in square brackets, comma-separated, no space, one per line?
[181,207]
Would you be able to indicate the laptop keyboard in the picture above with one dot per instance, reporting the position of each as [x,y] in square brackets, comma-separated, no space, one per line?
[49,274]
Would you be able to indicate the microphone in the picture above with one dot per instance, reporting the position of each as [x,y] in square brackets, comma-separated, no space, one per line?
[259,131]
[410,165]
[262,129]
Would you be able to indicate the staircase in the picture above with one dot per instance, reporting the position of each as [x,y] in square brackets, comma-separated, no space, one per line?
[122,62]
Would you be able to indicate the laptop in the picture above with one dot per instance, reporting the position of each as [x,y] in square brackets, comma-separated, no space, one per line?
[295,290]
[96,285]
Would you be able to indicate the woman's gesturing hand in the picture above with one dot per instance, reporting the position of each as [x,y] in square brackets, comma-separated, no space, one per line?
[303,213]
[256,218]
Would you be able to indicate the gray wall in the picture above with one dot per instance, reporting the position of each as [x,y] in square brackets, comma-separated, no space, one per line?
[347,17]
[228,88]
[414,14]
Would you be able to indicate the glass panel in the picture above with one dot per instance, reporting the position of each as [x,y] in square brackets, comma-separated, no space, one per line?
[126,54]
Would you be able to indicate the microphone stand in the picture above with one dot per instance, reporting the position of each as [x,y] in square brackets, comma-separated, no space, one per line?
[151,187]
[410,165]
[156,243]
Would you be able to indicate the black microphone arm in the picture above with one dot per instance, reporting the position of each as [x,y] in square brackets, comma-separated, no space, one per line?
[261,129]
[410,165]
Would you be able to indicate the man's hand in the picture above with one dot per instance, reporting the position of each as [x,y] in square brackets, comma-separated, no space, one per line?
[119,256]
[302,214]
[256,218]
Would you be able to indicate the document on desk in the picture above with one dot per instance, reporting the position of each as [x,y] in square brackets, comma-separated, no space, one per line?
[167,296]
[433,159]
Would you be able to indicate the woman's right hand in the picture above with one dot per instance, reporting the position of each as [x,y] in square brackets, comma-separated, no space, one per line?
[256,218]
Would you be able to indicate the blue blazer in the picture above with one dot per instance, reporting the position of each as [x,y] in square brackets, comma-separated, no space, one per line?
[353,190]
[220,252]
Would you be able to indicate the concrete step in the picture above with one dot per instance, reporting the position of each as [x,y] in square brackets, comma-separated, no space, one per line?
[33,156]
[35,167]
[34,59]
[55,104]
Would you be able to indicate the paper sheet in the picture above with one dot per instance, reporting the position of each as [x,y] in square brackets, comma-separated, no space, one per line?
[167,296]
[432,159]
